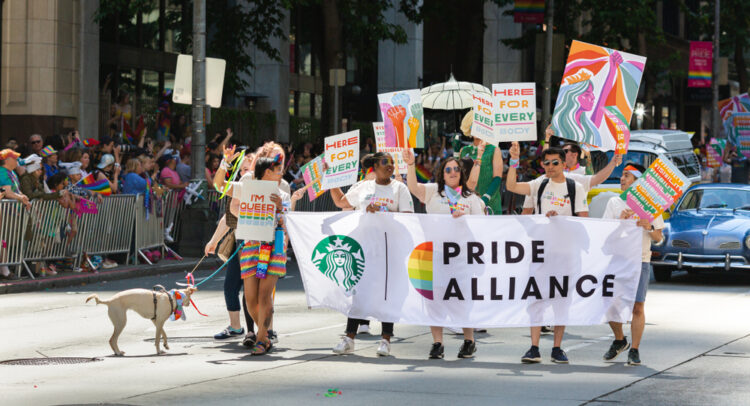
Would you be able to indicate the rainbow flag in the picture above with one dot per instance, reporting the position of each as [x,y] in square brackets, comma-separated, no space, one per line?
[423,175]
[98,186]
[453,195]
[529,11]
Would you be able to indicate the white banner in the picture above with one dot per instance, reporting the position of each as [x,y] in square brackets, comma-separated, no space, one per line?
[257,212]
[515,111]
[397,153]
[342,157]
[474,271]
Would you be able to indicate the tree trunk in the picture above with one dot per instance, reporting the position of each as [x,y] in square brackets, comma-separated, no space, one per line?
[333,57]
[739,63]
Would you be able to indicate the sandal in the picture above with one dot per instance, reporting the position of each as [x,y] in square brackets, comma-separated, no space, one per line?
[261,348]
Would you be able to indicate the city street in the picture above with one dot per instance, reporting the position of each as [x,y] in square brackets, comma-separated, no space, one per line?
[696,350]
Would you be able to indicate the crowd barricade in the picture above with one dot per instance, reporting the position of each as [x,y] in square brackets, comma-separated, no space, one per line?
[110,231]
[13,221]
[173,203]
[149,231]
[51,233]
[216,205]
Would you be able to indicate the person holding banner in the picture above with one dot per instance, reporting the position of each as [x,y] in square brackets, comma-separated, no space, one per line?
[652,232]
[382,194]
[449,195]
[486,177]
[553,195]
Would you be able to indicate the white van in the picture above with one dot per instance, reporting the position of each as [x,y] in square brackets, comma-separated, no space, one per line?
[645,146]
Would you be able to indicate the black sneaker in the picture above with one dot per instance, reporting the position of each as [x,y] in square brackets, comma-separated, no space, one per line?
[249,340]
[633,357]
[229,332]
[273,337]
[468,348]
[559,356]
[532,356]
[437,351]
[616,348]
[547,330]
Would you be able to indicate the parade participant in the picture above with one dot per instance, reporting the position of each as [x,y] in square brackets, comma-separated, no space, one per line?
[225,233]
[652,232]
[380,194]
[486,176]
[259,288]
[553,195]
[270,150]
[436,200]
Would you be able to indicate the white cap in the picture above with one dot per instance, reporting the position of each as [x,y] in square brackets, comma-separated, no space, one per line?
[107,160]
[32,162]
[71,168]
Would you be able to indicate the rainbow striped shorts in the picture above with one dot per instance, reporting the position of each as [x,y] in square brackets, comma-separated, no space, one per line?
[249,261]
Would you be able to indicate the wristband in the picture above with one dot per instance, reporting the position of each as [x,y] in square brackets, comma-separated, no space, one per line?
[478,161]
[117,164]
[225,165]
[513,163]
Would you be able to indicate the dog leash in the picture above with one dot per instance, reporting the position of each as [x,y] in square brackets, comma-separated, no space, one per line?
[190,279]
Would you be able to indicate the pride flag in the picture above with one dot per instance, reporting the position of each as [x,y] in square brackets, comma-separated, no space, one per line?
[98,186]
[423,175]
[529,11]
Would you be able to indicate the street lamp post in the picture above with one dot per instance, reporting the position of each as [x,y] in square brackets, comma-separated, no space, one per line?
[198,145]
[715,123]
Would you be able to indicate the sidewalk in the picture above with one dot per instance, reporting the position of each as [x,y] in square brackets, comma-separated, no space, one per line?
[121,272]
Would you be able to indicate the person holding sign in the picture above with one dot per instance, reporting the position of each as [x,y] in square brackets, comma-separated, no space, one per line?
[486,175]
[449,195]
[382,194]
[554,195]
[652,232]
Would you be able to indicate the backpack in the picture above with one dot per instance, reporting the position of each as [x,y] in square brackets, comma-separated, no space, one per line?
[570,183]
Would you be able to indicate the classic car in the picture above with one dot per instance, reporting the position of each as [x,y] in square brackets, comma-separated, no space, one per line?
[709,229]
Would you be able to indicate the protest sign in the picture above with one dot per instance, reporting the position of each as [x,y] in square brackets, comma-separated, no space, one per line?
[312,173]
[596,98]
[479,271]
[656,190]
[403,118]
[342,156]
[700,64]
[713,152]
[256,219]
[515,111]
[528,11]
[483,126]
[380,145]
[736,104]
[741,132]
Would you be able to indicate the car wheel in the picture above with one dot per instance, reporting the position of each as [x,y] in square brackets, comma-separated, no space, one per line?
[662,273]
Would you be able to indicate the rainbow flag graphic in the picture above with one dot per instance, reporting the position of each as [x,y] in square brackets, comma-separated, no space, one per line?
[453,195]
[423,175]
[529,11]
[420,269]
[98,186]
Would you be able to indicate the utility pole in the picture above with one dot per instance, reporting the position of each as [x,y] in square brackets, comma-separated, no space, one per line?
[715,121]
[547,98]
[198,145]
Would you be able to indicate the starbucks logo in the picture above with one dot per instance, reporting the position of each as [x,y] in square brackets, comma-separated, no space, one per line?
[340,259]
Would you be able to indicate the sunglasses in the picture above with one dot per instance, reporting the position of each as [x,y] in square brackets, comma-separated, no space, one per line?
[36,142]
[386,162]
[454,169]
[554,162]
[568,150]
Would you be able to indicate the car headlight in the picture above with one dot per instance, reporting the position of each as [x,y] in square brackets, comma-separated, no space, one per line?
[747,242]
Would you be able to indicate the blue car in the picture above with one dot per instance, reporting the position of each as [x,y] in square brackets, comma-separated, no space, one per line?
[709,229]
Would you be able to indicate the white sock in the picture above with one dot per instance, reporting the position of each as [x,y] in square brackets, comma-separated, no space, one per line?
[4,270]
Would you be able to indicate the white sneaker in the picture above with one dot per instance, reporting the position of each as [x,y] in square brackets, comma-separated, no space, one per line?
[346,346]
[363,329]
[384,348]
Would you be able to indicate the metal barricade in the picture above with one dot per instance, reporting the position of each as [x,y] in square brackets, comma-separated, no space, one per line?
[50,230]
[173,204]
[13,221]
[110,231]
[149,232]
[216,205]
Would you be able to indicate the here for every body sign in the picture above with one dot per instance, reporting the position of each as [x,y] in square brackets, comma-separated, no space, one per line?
[342,157]
[515,111]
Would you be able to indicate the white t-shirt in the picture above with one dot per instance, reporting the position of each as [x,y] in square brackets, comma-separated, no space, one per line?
[615,206]
[555,197]
[393,197]
[584,180]
[434,203]
[580,170]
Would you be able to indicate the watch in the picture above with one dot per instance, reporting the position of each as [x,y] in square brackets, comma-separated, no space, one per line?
[652,227]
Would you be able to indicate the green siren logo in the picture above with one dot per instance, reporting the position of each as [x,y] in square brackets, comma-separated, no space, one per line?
[340,259]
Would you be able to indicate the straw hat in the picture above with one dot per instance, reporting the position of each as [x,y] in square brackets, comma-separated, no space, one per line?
[466,123]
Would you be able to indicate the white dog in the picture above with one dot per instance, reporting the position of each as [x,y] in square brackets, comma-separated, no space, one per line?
[156,305]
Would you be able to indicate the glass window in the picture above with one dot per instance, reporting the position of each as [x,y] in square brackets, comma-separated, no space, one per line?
[318,105]
[600,160]
[686,162]
[305,105]
[716,199]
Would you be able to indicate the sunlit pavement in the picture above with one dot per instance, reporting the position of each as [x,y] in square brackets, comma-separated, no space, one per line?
[696,350]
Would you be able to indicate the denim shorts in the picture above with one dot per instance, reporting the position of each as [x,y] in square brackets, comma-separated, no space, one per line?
[640,295]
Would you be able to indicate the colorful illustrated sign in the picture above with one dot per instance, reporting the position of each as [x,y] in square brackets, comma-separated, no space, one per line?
[736,104]
[256,219]
[403,118]
[529,11]
[741,132]
[342,157]
[380,145]
[312,173]
[714,150]
[483,126]
[597,94]
[656,190]
[515,111]
[701,63]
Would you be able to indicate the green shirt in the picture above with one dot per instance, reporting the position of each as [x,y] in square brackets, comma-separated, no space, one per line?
[9,178]
[486,173]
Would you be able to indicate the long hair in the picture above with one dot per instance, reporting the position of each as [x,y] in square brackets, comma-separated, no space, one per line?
[565,121]
[262,164]
[465,192]
[331,268]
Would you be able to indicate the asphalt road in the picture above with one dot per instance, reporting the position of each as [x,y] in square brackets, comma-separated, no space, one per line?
[696,350]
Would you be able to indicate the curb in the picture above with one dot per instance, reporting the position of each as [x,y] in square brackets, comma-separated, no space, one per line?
[126,272]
